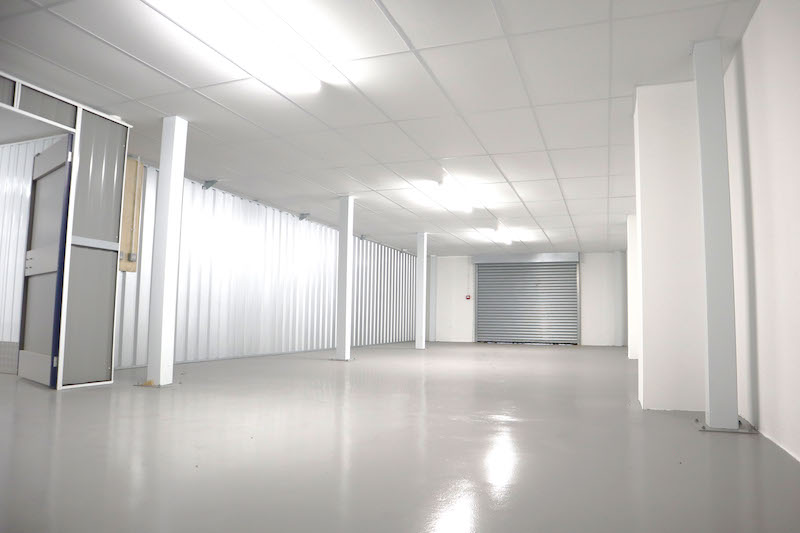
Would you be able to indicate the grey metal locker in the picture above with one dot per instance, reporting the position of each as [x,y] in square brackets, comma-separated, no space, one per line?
[528,302]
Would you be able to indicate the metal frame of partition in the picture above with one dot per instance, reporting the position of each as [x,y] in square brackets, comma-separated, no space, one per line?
[75,161]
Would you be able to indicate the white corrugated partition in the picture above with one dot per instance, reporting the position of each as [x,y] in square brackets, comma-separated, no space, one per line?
[16,172]
[383,294]
[254,280]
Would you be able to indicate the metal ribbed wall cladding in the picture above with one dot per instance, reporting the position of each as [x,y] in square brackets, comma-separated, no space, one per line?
[254,280]
[383,294]
[528,302]
[16,173]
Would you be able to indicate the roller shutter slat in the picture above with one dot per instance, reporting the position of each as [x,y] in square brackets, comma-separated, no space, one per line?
[527,302]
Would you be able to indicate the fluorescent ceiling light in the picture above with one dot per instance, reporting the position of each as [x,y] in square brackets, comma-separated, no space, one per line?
[448,193]
[500,235]
[256,39]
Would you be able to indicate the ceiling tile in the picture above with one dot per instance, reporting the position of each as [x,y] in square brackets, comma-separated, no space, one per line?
[515,209]
[377,177]
[622,186]
[385,142]
[556,222]
[253,159]
[334,180]
[507,131]
[656,49]
[207,115]
[580,162]
[492,194]
[47,35]
[412,199]
[428,170]
[526,166]
[622,120]
[339,106]
[479,76]
[265,107]
[531,191]
[47,75]
[399,85]
[585,221]
[473,170]
[123,23]
[594,206]
[375,201]
[584,187]
[341,30]
[574,125]
[622,206]
[636,8]
[524,16]
[15,7]
[445,21]
[443,136]
[622,160]
[565,65]
[332,148]
[548,208]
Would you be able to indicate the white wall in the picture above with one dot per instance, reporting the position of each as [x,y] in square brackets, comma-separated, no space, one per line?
[763,107]
[670,233]
[603,299]
[455,315]
[634,291]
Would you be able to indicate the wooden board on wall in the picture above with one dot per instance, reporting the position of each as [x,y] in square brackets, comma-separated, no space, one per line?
[131,210]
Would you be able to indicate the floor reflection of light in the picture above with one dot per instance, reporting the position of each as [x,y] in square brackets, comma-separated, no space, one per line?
[457,511]
[500,462]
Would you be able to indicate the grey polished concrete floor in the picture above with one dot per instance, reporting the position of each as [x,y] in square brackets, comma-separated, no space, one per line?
[458,438]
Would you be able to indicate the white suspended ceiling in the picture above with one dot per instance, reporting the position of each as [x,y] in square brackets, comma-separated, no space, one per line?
[526,104]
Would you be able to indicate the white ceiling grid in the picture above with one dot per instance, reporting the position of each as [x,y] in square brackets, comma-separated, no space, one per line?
[526,103]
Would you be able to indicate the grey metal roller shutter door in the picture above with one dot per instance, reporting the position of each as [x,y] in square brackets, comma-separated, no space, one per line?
[528,302]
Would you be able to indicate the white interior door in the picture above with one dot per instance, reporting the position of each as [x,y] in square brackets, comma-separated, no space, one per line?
[44,262]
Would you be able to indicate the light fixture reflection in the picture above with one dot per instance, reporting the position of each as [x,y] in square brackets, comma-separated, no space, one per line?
[500,463]
[457,511]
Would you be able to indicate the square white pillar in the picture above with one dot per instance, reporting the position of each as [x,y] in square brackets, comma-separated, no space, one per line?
[721,394]
[421,290]
[166,246]
[344,296]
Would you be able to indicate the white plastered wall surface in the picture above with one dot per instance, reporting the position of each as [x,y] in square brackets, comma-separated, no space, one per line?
[763,116]
[603,299]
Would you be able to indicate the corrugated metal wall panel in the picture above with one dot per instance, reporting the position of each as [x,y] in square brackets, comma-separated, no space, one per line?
[16,172]
[528,302]
[254,280]
[383,296]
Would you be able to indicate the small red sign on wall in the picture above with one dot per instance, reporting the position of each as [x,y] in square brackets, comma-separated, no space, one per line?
[468,296]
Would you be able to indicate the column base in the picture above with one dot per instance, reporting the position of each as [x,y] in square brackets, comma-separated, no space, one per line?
[745,428]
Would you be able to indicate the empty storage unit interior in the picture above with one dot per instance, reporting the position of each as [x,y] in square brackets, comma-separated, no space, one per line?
[398,265]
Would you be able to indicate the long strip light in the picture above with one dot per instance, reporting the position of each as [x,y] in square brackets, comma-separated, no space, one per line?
[256,39]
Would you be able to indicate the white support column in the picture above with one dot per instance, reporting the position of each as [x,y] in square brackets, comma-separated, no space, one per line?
[431,283]
[721,395]
[344,300]
[166,245]
[421,292]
